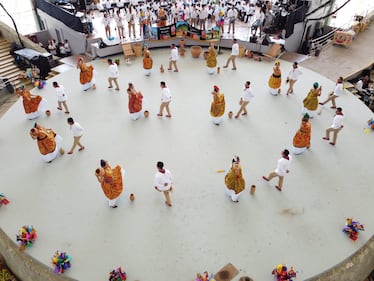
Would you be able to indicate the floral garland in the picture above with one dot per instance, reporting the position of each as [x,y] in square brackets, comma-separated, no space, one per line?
[352,228]
[117,275]
[281,273]
[26,236]
[3,200]
[61,262]
[204,277]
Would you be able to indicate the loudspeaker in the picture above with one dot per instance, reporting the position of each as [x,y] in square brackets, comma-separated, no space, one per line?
[253,39]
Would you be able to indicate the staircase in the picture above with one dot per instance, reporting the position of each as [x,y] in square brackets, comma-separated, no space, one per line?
[7,68]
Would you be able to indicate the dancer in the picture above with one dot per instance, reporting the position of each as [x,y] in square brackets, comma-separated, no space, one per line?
[61,97]
[147,62]
[337,125]
[211,61]
[33,105]
[174,56]
[77,132]
[245,99]
[135,102]
[234,54]
[301,140]
[275,80]
[165,99]
[235,183]
[119,23]
[292,77]
[281,170]
[86,76]
[311,101]
[338,91]
[113,74]
[217,108]
[163,182]
[111,181]
[106,22]
[49,143]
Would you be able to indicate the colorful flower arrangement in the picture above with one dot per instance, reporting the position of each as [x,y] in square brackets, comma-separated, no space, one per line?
[371,123]
[26,236]
[204,277]
[3,200]
[117,275]
[39,84]
[281,273]
[352,228]
[61,262]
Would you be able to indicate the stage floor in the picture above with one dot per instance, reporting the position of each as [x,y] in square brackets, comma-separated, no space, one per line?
[203,230]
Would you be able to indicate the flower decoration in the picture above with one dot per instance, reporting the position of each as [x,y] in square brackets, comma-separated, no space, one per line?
[3,200]
[61,262]
[352,228]
[281,273]
[26,236]
[371,123]
[204,277]
[117,275]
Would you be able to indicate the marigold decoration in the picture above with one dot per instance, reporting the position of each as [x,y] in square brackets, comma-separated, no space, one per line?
[352,228]
[61,262]
[281,273]
[117,275]
[3,200]
[26,236]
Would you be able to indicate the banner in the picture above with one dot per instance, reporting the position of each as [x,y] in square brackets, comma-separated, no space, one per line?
[183,29]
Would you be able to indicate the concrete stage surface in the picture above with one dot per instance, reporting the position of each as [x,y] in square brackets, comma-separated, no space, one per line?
[203,230]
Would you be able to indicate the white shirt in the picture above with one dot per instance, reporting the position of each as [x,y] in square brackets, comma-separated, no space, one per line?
[283,165]
[163,178]
[174,54]
[165,95]
[337,122]
[60,93]
[294,74]
[106,21]
[119,20]
[338,91]
[247,94]
[76,129]
[235,49]
[113,71]
[203,14]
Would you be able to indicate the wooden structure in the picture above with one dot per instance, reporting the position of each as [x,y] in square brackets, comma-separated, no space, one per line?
[127,51]
[274,52]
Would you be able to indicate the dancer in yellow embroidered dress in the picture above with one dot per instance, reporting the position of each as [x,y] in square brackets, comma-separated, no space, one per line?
[311,101]
[211,61]
[301,140]
[217,108]
[275,80]
[86,76]
[235,183]
[111,182]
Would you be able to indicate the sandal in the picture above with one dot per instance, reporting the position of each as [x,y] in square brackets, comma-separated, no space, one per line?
[167,204]
[67,112]
[70,152]
[168,115]
[159,115]
[279,188]
[80,149]
[265,178]
[59,108]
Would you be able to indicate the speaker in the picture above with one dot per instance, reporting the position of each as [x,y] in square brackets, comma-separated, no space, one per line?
[253,39]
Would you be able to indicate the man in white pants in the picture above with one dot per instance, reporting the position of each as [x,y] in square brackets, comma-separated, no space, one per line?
[163,182]
[245,99]
[113,74]
[165,99]
[281,170]
[174,56]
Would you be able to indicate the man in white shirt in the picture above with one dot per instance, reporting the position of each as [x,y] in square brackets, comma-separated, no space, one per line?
[292,77]
[77,132]
[113,74]
[61,97]
[245,99]
[165,99]
[337,125]
[203,15]
[174,56]
[234,54]
[232,14]
[163,181]
[338,91]
[281,170]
